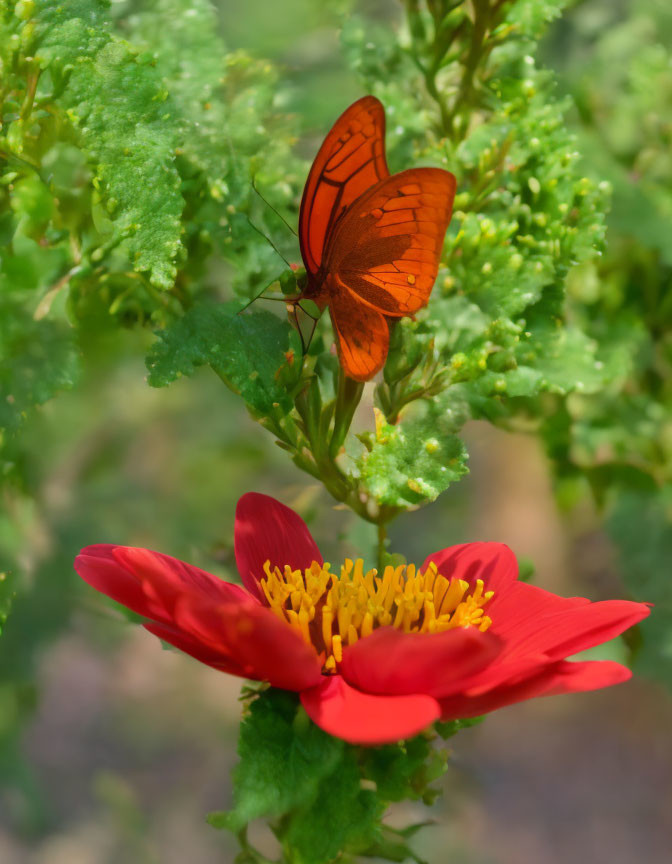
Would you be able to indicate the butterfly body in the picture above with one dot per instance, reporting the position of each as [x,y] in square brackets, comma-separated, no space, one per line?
[370,241]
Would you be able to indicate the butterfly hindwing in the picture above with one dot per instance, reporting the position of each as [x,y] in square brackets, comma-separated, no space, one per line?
[387,247]
[350,161]
[362,336]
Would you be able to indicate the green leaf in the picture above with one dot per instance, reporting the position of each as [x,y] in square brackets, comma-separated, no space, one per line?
[250,351]
[125,122]
[37,360]
[343,817]
[283,759]
[412,462]
[450,728]
[404,770]
[194,75]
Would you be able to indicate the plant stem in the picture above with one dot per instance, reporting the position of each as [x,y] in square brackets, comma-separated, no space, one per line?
[347,400]
[482,14]
[29,98]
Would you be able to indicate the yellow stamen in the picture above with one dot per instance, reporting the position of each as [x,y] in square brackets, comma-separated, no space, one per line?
[331,611]
[338,649]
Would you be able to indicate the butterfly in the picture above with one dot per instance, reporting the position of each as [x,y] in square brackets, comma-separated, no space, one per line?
[370,241]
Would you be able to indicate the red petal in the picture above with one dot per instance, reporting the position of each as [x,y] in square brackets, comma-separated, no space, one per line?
[554,679]
[265,648]
[217,623]
[538,627]
[165,579]
[494,563]
[391,662]
[518,609]
[567,632]
[149,582]
[362,718]
[97,566]
[266,530]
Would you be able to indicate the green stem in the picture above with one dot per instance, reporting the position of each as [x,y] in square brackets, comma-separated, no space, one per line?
[29,98]
[347,400]
[482,14]
[250,855]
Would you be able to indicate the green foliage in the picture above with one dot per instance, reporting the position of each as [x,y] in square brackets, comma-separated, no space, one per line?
[463,91]
[309,785]
[619,438]
[194,129]
[524,215]
[302,779]
[450,728]
[253,354]
[44,361]
[126,127]
[411,464]
[231,135]
[131,143]
[405,770]
[283,760]
[343,817]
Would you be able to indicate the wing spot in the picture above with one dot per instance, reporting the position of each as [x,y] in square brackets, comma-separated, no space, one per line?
[410,279]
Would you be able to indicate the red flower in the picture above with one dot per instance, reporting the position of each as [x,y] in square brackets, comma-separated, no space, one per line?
[375,658]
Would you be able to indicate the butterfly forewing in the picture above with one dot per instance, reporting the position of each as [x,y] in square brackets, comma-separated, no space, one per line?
[386,248]
[350,161]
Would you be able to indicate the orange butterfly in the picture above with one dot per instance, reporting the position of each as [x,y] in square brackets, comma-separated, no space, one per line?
[370,242]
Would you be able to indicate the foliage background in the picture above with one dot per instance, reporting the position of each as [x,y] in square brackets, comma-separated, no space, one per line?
[111,749]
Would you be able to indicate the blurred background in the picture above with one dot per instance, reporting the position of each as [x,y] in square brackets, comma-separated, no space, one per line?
[112,749]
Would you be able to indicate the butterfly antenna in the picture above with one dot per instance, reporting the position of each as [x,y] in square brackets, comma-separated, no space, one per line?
[269,241]
[250,302]
[284,300]
[305,345]
[279,215]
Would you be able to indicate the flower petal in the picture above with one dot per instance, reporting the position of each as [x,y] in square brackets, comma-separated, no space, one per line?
[149,582]
[569,631]
[264,647]
[392,662]
[553,680]
[494,563]
[522,606]
[266,530]
[98,566]
[538,628]
[363,718]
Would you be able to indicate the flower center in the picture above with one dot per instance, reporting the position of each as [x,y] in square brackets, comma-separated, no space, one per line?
[330,611]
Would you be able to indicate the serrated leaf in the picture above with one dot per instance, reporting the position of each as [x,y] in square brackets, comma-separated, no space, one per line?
[126,125]
[248,351]
[414,461]
[450,728]
[283,759]
[565,358]
[37,360]
[400,770]
[343,817]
